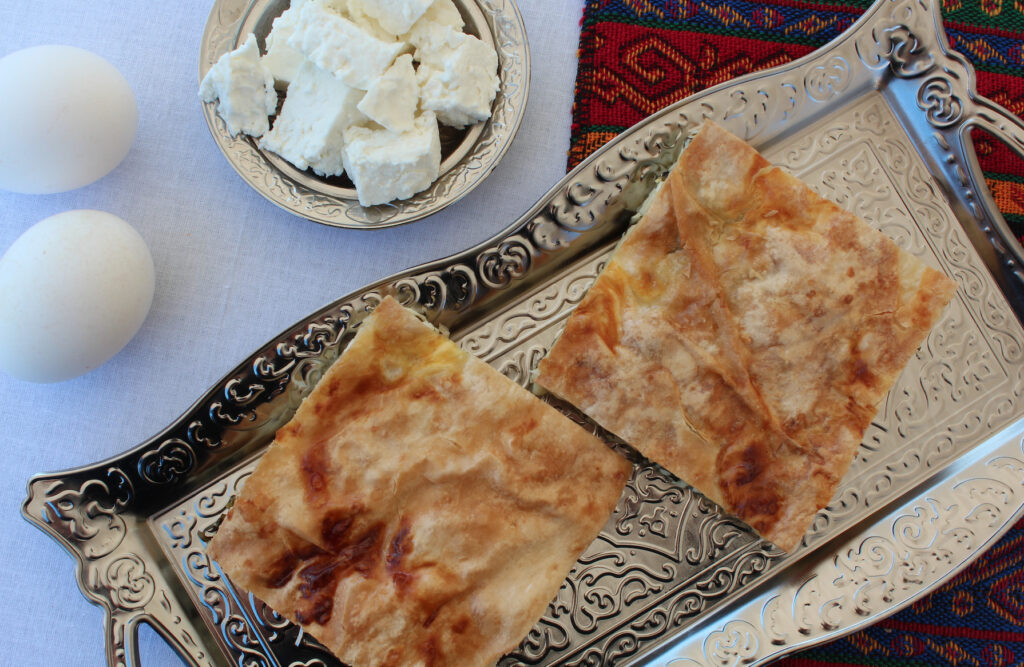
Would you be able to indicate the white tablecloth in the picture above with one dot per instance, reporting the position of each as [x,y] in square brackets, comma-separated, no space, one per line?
[233,270]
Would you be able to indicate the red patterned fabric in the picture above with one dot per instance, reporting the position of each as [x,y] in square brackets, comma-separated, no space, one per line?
[638,56]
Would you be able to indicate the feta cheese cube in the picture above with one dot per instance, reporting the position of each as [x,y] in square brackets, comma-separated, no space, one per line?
[309,130]
[432,29]
[395,16]
[459,83]
[339,46]
[243,88]
[392,99]
[353,11]
[386,165]
[282,60]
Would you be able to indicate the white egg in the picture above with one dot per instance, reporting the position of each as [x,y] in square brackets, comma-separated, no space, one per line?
[74,289]
[68,118]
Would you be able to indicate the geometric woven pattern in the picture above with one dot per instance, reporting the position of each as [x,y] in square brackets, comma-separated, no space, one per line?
[638,56]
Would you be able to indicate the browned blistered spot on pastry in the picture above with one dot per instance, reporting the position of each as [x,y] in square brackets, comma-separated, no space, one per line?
[862,373]
[392,658]
[322,572]
[460,625]
[843,235]
[401,545]
[361,554]
[282,569]
[319,612]
[752,463]
[402,580]
[336,524]
[319,575]
[521,428]
[372,383]
[428,649]
[426,391]
[432,617]
[746,488]
[315,472]
[768,514]
[762,510]
[795,423]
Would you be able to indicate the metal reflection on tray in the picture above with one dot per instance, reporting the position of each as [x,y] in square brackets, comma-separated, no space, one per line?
[876,121]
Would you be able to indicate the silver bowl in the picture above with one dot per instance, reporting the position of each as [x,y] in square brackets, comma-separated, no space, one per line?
[467,155]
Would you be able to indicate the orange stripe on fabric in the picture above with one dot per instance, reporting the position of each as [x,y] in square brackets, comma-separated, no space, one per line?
[1009,196]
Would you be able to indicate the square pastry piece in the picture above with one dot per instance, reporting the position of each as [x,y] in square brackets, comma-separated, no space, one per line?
[420,508]
[744,333]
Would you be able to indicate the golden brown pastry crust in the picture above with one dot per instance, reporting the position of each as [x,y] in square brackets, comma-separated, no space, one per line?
[744,333]
[419,509]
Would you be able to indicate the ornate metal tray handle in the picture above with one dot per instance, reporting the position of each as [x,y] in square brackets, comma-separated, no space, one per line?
[940,83]
[114,569]
[1006,258]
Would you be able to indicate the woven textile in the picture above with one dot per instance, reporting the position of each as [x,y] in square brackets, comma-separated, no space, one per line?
[638,56]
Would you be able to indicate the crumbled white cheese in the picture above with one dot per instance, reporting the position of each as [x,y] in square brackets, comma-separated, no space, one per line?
[395,16]
[339,46]
[243,88]
[353,11]
[459,83]
[392,99]
[309,130]
[386,165]
[282,60]
[433,28]
[327,53]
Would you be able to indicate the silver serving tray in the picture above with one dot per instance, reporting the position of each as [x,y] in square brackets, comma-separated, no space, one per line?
[467,156]
[878,120]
